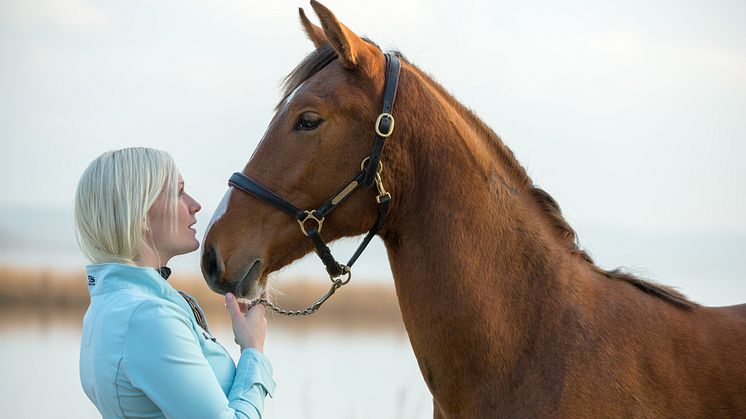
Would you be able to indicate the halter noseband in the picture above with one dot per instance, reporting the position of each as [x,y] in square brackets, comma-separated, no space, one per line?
[369,175]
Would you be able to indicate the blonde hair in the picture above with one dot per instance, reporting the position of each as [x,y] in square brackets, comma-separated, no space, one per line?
[114,196]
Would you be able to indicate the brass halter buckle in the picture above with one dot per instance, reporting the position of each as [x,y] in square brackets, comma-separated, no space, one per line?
[310,215]
[390,127]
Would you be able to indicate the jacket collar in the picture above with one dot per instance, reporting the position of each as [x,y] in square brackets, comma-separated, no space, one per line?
[106,277]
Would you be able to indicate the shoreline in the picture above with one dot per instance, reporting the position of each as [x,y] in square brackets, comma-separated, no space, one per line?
[64,299]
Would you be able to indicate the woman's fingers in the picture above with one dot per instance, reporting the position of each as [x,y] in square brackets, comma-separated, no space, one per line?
[231,303]
[241,308]
[248,325]
[257,311]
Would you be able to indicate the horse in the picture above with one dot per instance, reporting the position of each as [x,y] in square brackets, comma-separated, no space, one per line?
[506,314]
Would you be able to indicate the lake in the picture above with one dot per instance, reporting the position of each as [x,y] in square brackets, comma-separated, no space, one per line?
[323,370]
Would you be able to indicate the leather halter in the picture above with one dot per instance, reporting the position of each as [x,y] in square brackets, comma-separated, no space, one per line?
[369,175]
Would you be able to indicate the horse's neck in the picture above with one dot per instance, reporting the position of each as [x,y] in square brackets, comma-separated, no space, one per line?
[477,270]
[471,263]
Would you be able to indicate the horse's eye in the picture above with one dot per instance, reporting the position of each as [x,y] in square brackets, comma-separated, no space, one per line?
[308,121]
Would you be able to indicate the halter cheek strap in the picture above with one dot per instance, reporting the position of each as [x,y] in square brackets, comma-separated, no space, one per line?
[385,121]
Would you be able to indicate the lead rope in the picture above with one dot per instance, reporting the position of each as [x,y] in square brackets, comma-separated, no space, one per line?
[165,272]
[383,198]
[336,284]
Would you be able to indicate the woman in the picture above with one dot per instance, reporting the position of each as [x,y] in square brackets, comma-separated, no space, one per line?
[145,350]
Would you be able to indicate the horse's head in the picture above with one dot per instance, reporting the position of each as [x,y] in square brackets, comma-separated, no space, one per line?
[313,146]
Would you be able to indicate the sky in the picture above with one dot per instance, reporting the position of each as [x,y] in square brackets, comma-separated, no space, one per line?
[631,114]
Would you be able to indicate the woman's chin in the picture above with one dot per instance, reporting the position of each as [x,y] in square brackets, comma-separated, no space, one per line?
[187,247]
[193,243]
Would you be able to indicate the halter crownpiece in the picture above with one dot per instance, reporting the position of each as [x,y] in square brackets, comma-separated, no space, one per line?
[311,221]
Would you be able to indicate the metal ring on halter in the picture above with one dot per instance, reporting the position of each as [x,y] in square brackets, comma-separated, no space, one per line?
[345,271]
[310,215]
[365,160]
[390,127]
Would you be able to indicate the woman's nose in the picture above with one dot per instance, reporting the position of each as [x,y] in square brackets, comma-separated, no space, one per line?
[195,207]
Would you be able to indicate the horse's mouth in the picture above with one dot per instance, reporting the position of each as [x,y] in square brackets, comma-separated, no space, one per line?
[248,286]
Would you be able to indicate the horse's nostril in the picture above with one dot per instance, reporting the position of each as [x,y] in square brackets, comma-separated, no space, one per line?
[212,266]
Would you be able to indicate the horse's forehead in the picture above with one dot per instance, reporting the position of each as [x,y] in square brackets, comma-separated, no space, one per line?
[308,89]
[290,97]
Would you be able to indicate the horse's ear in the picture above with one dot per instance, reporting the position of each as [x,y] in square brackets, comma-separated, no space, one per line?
[350,47]
[314,33]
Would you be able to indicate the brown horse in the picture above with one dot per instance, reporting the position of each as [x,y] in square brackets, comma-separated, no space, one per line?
[506,315]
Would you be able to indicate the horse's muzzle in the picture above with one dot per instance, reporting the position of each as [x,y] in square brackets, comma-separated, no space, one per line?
[213,270]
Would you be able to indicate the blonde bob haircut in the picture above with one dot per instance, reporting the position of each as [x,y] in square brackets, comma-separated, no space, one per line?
[113,198]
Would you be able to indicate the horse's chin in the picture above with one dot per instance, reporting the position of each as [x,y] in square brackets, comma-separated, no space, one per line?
[250,284]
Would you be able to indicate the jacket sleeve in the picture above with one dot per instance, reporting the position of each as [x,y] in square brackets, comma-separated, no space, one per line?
[163,359]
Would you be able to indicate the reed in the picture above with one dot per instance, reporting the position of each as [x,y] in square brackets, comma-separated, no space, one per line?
[58,290]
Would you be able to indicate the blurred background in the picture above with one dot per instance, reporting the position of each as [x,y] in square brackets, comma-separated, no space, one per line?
[631,114]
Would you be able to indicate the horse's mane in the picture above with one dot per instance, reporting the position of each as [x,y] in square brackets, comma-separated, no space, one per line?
[312,64]
[322,56]
[567,234]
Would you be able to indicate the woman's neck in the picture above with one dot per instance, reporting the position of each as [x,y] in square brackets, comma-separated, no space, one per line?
[147,257]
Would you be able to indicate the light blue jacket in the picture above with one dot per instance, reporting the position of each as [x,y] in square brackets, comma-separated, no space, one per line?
[143,354]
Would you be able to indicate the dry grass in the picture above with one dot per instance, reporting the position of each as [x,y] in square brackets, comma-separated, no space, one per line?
[65,293]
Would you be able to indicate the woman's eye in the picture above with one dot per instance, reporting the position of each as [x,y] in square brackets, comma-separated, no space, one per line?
[308,121]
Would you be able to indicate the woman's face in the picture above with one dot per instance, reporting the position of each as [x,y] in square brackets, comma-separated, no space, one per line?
[169,243]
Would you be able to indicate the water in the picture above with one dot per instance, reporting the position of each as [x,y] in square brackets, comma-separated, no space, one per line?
[324,371]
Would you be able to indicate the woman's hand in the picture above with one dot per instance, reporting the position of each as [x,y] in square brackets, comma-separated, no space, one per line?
[248,326]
